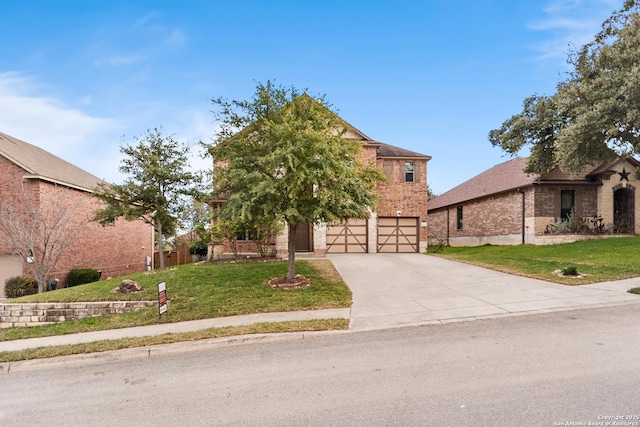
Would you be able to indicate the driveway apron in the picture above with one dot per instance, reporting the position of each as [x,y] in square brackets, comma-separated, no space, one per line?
[410,289]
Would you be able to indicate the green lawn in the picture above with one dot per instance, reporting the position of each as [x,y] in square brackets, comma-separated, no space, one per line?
[597,260]
[198,291]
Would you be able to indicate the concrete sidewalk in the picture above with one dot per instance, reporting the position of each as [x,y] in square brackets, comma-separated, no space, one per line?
[172,328]
[394,290]
[410,289]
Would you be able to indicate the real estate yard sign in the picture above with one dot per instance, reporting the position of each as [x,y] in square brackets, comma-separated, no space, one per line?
[162,298]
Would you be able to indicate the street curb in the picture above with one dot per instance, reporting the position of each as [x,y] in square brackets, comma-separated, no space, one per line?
[157,350]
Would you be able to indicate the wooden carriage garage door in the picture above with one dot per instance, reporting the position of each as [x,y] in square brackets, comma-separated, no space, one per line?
[397,234]
[350,237]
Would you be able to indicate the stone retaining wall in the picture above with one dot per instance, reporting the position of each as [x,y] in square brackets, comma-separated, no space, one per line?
[48,312]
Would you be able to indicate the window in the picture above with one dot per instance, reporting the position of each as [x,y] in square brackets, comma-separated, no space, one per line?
[567,203]
[247,234]
[408,172]
[459,218]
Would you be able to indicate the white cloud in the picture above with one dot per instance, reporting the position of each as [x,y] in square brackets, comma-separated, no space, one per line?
[571,23]
[177,38]
[28,112]
[119,60]
[48,123]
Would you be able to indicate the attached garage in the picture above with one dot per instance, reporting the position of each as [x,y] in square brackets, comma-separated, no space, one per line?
[398,234]
[10,266]
[350,237]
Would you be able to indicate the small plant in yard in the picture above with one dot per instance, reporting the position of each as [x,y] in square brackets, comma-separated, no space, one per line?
[436,245]
[19,286]
[570,270]
[634,291]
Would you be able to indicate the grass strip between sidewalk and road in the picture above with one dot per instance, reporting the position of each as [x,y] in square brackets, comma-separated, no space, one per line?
[123,343]
[596,260]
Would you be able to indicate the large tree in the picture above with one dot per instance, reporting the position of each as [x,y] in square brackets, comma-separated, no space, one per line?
[39,225]
[595,113]
[282,156]
[157,180]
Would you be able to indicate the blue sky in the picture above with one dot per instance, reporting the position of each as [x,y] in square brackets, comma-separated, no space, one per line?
[79,78]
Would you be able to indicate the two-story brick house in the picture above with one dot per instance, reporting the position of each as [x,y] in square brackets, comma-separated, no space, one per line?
[400,225]
[52,182]
[506,206]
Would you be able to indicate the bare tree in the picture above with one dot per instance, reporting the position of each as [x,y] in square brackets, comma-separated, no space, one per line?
[38,227]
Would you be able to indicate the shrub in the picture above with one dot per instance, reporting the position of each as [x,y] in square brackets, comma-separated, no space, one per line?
[199,248]
[19,286]
[436,245]
[80,276]
[570,270]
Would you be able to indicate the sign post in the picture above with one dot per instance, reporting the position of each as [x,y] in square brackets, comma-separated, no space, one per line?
[162,298]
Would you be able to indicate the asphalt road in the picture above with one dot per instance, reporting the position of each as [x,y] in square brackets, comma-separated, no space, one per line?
[551,369]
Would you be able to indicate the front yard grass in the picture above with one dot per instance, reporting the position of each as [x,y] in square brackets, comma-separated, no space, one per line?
[596,260]
[197,291]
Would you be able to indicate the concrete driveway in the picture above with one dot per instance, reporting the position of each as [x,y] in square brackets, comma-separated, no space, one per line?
[404,289]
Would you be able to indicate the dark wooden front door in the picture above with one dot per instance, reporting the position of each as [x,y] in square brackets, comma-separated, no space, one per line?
[303,238]
[623,214]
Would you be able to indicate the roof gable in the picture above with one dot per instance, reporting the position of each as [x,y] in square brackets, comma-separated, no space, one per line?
[608,168]
[43,165]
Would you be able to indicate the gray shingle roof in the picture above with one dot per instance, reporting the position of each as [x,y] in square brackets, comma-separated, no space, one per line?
[43,165]
[386,150]
[503,177]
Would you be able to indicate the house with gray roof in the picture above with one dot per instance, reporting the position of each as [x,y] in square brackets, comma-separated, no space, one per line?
[506,206]
[34,180]
[399,225]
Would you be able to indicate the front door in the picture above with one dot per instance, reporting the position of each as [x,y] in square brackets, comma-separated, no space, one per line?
[623,213]
[303,238]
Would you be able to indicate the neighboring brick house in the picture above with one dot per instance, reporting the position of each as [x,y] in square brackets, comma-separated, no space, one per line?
[116,250]
[400,225]
[506,206]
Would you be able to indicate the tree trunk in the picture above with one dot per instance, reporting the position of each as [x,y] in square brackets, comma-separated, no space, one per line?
[291,246]
[160,243]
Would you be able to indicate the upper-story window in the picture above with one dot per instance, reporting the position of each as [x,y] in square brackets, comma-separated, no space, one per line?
[408,172]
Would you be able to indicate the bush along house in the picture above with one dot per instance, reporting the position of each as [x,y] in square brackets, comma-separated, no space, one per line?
[506,206]
[399,225]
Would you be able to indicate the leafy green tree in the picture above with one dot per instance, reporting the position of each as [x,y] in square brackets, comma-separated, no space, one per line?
[157,181]
[595,113]
[282,156]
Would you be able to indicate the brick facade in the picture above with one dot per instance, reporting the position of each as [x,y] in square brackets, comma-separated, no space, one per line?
[526,214]
[405,199]
[398,198]
[497,219]
[115,250]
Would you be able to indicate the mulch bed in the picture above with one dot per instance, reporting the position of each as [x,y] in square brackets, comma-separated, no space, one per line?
[297,283]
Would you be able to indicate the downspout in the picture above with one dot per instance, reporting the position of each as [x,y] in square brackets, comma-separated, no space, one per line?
[447,225]
[523,214]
